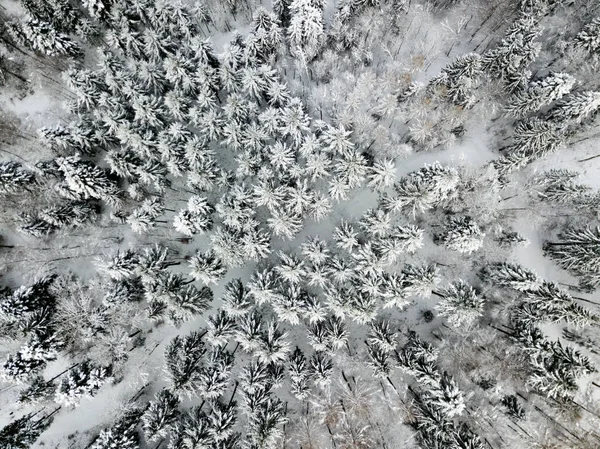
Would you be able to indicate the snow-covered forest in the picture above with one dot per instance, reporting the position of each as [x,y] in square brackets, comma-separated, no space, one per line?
[299,224]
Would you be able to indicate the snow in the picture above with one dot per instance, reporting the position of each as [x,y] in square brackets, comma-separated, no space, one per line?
[474,150]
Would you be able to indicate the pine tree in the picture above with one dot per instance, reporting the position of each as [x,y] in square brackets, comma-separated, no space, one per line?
[183,357]
[42,37]
[196,219]
[121,265]
[85,180]
[507,275]
[577,251]
[237,300]
[515,409]
[29,299]
[38,391]
[82,381]
[447,397]
[381,174]
[423,189]
[576,107]
[420,279]
[299,374]
[35,226]
[550,303]
[460,304]
[540,93]
[273,346]
[221,328]
[249,332]
[379,361]
[305,31]
[321,367]
[14,179]
[207,268]
[223,418]
[160,415]
[382,336]
[123,434]
[588,39]
[24,432]
[213,377]
[461,234]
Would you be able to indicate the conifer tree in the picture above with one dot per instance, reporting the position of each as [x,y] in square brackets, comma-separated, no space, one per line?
[578,250]
[207,268]
[160,415]
[461,234]
[237,300]
[183,358]
[509,59]
[588,39]
[423,189]
[85,180]
[460,305]
[576,107]
[507,275]
[123,434]
[14,179]
[82,381]
[42,37]
[305,31]
[24,432]
[540,93]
